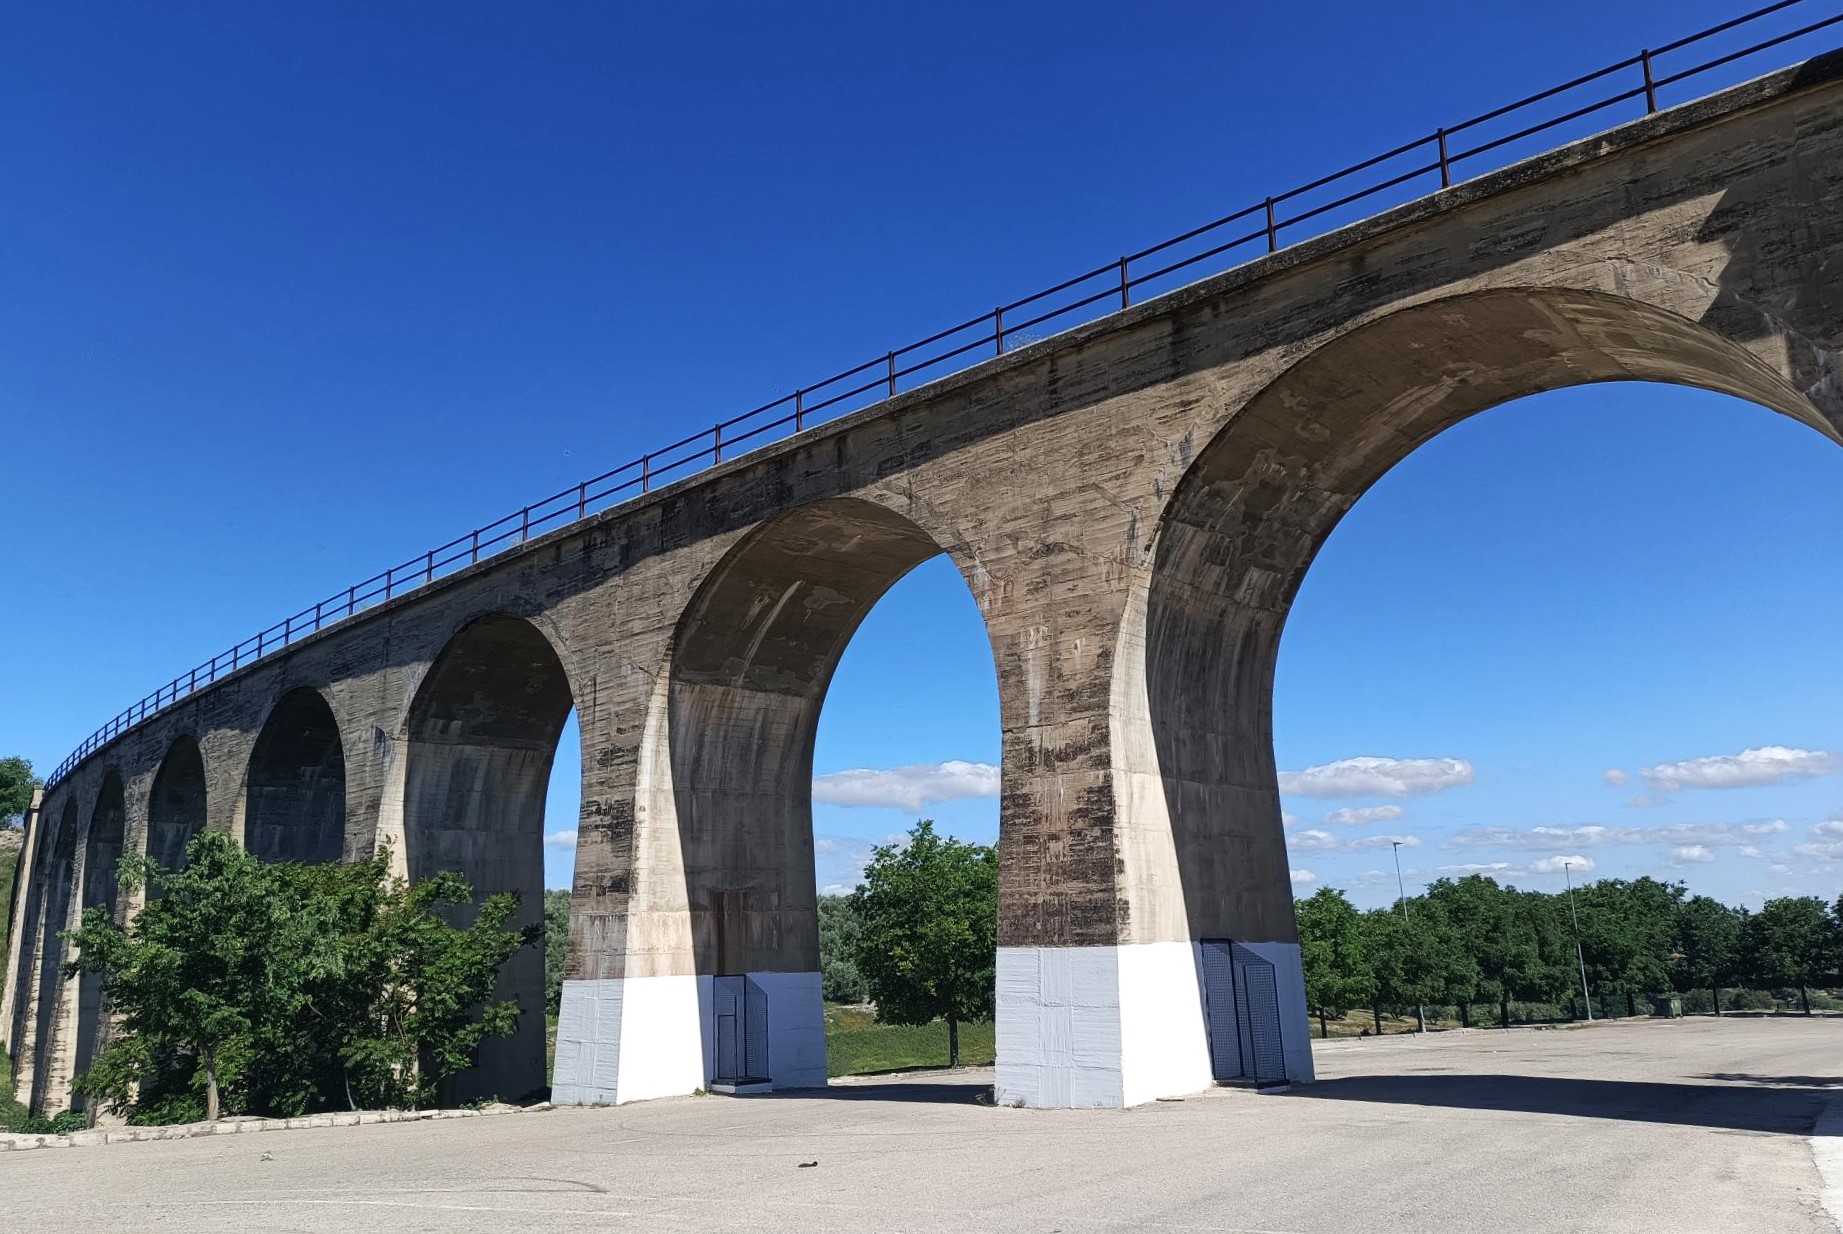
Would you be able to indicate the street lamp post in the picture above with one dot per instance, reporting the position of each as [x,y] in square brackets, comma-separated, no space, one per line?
[1420,1009]
[1579,958]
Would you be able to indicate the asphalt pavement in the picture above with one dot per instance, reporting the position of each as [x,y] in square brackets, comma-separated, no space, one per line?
[1693,1125]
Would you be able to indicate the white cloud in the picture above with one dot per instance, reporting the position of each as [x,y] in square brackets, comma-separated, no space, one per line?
[1498,869]
[1692,852]
[1594,835]
[561,839]
[906,788]
[1288,820]
[1363,816]
[1826,842]
[1302,876]
[1614,778]
[1313,840]
[1829,850]
[1371,776]
[1748,769]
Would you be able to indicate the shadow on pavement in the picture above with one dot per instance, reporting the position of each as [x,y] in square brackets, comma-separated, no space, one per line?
[934,1092]
[1784,1105]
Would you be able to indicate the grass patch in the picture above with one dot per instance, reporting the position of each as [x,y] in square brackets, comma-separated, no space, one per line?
[857,1045]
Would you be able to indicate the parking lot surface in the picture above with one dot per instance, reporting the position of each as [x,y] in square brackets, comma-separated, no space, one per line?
[1692,1125]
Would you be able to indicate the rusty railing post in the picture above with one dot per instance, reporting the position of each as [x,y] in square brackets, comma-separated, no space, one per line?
[1644,58]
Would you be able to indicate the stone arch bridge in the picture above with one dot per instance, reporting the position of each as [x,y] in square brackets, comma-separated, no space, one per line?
[1133,504]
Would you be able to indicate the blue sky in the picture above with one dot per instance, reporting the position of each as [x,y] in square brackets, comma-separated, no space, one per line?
[292,292]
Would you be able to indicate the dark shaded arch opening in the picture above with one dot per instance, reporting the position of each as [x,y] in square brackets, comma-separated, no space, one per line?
[482,734]
[58,883]
[753,657]
[101,852]
[176,805]
[295,799]
[1252,511]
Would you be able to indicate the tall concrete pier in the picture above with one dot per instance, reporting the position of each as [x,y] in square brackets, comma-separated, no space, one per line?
[1133,505]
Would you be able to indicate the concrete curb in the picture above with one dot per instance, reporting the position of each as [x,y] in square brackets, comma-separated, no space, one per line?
[248,1126]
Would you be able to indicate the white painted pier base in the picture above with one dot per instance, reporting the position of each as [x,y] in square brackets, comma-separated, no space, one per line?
[1087,1027]
[631,1039]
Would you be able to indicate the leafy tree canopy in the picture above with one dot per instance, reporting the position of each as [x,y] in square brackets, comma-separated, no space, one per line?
[1338,968]
[928,941]
[283,988]
[16,785]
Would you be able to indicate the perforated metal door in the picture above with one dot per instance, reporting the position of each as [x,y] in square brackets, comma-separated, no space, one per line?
[1221,1003]
[1262,1057]
[1242,997]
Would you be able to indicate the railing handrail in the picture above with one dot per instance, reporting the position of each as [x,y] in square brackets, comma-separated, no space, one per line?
[638,476]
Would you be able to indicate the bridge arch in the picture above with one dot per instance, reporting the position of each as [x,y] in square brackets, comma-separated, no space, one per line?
[102,849]
[176,804]
[753,655]
[479,738]
[294,801]
[1194,672]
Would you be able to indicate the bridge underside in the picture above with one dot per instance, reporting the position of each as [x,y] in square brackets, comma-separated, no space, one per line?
[1133,506]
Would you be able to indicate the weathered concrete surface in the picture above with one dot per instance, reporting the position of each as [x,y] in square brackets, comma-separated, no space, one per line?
[19,927]
[1132,505]
[1691,1127]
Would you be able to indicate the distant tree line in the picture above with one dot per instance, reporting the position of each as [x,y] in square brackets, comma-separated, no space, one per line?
[1469,942]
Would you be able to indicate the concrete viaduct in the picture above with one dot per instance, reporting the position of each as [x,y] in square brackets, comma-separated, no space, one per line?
[1133,505]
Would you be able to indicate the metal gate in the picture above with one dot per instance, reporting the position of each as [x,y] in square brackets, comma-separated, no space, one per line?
[741,1012]
[1242,997]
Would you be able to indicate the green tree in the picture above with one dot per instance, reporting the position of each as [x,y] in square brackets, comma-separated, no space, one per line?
[1337,967]
[1790,942]
[1708,946]
[1404,960]
[1628,935]
[839,931]
[416,987]
[16,785]
[928,945]
[191,976]
[556,946]
[281,988]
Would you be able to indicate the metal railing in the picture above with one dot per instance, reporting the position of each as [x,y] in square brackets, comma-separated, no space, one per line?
[1331,201]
